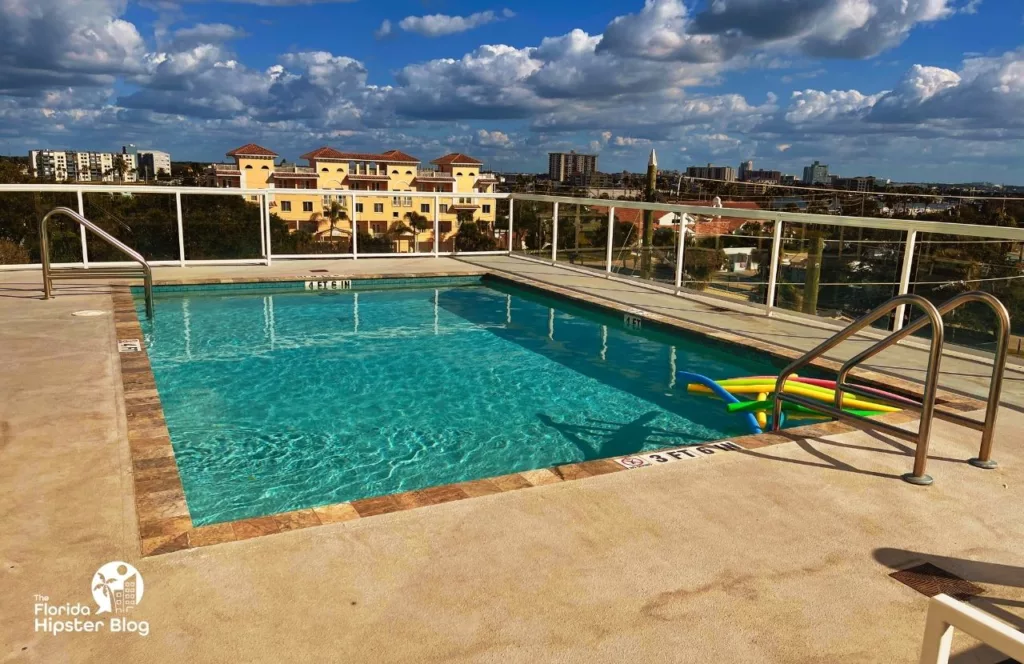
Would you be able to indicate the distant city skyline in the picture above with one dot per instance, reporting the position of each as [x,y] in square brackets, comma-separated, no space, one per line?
[913,90]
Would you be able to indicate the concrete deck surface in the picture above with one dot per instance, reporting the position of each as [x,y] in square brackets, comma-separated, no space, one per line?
[967,376]
[775,555]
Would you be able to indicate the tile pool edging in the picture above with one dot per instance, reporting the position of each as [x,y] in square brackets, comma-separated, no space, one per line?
[165,524]
[298,282]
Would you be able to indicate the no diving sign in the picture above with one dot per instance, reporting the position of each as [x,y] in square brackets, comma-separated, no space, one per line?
[677,454]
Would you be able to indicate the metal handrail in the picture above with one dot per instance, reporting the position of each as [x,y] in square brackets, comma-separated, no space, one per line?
[987,427]
[923,434]
[44,253]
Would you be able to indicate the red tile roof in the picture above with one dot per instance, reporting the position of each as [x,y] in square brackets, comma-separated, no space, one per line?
[326,152]
[251,150]
[725,226]
[457,158]
[397,156]
[391,156]
[629,215]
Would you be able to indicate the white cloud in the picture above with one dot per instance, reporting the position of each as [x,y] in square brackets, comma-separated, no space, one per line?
[495,138]
[782,147]
[204,33]
[384,30]
[439,25]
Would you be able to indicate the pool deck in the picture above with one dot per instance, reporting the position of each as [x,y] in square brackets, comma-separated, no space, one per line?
[774,555]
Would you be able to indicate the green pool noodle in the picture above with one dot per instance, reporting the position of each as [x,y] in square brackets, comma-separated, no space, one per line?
[752,406]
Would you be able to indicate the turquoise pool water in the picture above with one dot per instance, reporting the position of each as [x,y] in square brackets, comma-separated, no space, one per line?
[279,400]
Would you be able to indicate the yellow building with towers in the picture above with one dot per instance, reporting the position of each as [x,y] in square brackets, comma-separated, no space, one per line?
[407,193]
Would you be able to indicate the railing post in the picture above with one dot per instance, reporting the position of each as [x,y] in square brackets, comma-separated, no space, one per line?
[437,223]
[554,232]
[181,227]
[773,268]
[266,215]
[81,231]
[908,263]
[611,235]
[510,201]
[681,240]
[264,222]
[355,230]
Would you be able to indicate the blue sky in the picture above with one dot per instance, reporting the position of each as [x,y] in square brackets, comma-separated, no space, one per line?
[906,89]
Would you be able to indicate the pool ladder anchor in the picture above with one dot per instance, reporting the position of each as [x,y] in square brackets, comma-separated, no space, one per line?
[50,274]
[926,407]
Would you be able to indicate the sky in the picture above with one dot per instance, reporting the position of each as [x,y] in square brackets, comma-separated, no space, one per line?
[913,90]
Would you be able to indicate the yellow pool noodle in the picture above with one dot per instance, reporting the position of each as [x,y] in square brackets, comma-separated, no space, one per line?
[812,392]
[762,416]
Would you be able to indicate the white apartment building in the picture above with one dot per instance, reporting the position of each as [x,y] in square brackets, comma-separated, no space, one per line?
[151,162]
[74,166]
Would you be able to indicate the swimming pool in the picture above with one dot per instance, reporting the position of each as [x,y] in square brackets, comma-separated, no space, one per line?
[279,399]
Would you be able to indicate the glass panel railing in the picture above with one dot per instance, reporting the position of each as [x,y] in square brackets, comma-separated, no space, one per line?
[838,272]
[475,221]
[529,228]
[583,236]
[20,214]
[653,260]
[325,231]
[947,265]
[733,265]
[225,227]
[148,223]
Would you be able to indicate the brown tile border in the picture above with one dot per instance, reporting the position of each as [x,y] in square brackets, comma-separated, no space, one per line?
[314,276]
[165,525]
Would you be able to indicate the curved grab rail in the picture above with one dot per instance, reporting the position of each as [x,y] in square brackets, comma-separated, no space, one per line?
[44,252]
[923,435]
[984,458]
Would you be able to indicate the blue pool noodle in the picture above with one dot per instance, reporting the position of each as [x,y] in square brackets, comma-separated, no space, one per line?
[720,392]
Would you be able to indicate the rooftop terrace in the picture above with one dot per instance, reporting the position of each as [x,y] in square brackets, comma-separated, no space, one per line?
[779,552]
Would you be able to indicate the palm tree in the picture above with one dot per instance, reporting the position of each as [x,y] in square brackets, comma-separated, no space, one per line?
[419,223]
[118,168]
[335,213]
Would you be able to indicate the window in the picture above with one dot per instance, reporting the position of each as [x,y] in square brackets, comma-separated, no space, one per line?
[472,174]
[286,206]
[340,170]
[394,172]
[378,207]
[424,207]
[325,170]
[265,168]
[378,227]
[443,208]
[359,207]
[307,206]
[249,167]
[395,215]
[459,174]
[487,209]
[444,226]
[408,172]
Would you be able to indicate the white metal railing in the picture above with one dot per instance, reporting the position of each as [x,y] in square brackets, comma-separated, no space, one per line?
[264,198]
[946,614]
[781,220]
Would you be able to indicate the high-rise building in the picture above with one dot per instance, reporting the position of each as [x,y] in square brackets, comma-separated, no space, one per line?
[152,162]
[816,173]
[709,172]
[72,166]
[746,167]
[563,166]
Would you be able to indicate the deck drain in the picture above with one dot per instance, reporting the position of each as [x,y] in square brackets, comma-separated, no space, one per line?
[318,270]
[89,312]
[930,580]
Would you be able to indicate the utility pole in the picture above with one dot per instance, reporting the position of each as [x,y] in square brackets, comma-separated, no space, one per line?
[650,190]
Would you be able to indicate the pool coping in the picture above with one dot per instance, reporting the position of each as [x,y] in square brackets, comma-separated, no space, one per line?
[165,523]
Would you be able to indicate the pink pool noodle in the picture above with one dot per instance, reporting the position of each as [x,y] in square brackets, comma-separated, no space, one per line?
[831,384]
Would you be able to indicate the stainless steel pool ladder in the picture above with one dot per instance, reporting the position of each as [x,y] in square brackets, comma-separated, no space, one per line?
[926,407]
[131,272]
